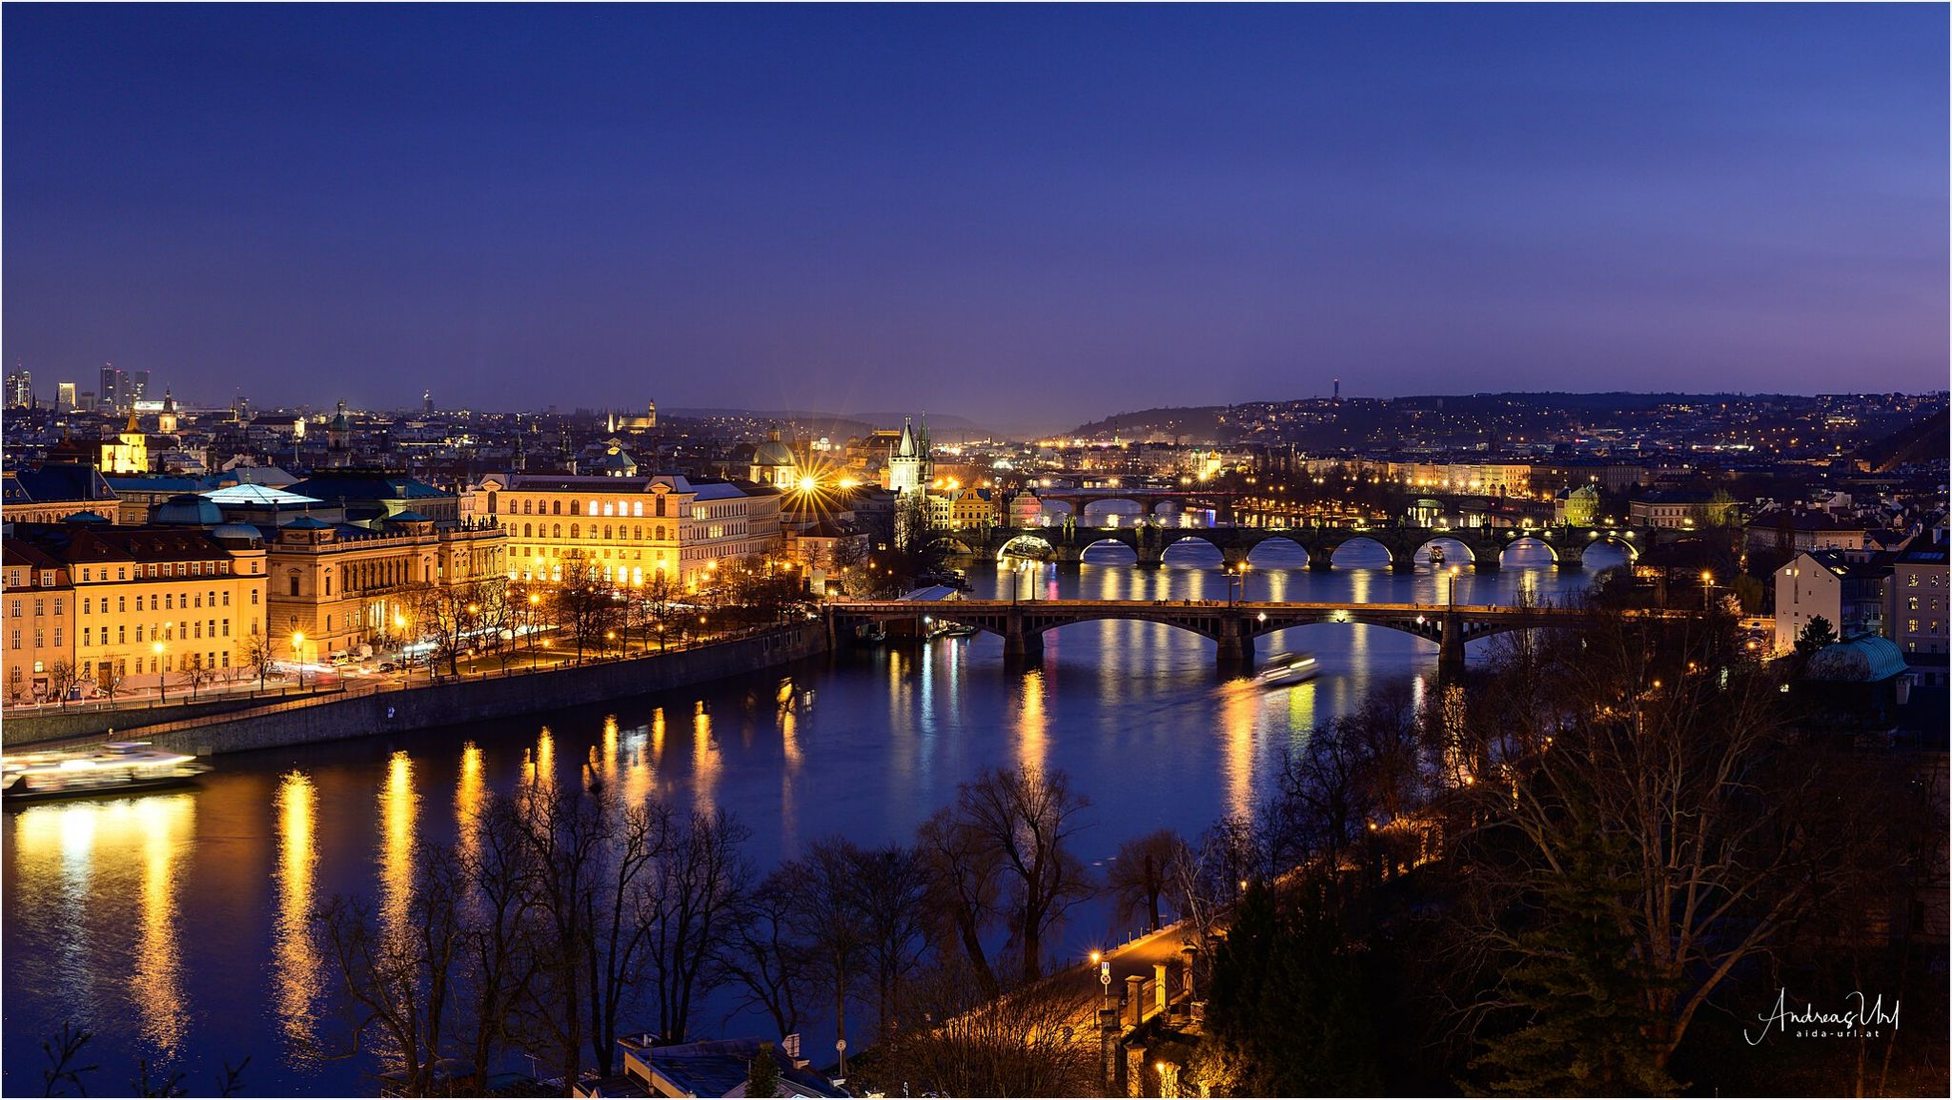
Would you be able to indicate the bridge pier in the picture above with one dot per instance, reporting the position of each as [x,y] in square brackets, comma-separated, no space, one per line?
[1487,563]
[1021,647]
[1235,655]
[1450,649]
[1403,563]
[1320,563]
[1569,558]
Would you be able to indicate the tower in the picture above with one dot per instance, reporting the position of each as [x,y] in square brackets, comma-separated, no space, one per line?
[909,466]
[166,420]
[338,439]
[427,402]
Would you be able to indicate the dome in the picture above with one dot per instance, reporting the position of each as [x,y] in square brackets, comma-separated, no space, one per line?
[772,452]
[189,510]
[1864,660]
[85,517]
[237,531]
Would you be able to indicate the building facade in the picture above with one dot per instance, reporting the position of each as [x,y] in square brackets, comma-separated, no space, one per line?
[630,529]
[1920,608]
[136,604]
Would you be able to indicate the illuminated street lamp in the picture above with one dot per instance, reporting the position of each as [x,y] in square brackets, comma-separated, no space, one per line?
[1707,589]
[298,654]
[162,680]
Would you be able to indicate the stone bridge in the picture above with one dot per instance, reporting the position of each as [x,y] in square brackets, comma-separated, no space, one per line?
[1233,626]
[1066,543]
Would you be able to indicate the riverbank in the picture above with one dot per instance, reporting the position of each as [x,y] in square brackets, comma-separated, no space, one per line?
[479,699]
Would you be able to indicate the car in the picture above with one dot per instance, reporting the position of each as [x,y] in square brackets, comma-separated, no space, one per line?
[389,666]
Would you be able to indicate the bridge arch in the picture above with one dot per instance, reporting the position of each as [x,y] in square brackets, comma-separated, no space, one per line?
[1617,540]
[1120,549]
[1283,551]
[1368,553]
[1530,541]
[1096,510]
[1027,546]
[1187,546]
[1456,551]
[952,544]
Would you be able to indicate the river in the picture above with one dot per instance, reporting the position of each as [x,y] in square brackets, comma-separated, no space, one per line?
[174,926]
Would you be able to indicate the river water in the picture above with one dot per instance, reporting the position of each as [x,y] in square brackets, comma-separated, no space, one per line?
[174,926]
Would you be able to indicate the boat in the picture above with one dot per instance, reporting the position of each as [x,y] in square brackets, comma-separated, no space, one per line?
[119,767]
[1436,555]
[1293,669]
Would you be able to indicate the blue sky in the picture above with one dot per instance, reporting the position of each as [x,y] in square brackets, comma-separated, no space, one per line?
[1028,215]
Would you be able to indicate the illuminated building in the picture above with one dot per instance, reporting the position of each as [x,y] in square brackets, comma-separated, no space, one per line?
[629,528]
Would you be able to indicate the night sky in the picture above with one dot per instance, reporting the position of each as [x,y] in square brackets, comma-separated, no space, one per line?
[1031,217]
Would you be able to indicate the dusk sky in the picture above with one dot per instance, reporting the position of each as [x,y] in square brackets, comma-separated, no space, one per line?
[1031,217]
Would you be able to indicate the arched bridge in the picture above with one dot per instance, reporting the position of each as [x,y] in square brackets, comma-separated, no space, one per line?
[1234,626]
[1483,546]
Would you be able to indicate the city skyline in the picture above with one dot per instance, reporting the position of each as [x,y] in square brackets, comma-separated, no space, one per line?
[840,210]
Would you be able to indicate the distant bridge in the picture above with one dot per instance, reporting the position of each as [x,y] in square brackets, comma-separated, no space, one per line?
[1234,626]
[1066,543]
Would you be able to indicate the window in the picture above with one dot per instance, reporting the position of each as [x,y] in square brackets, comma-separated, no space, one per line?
[87,606]
[40,607]
[637,508]
[121,603]
[226,597]
[574,528]
[527,531]
[575,507]
[13,612]
[556,507]
[254,597]
[57,635]
[294,584]
[1912,603]
[1911,626]
[14,640]
[87,636]
[1911,581]
[47,578]
[559,531]
[119,638]
[226,628]
[58,601]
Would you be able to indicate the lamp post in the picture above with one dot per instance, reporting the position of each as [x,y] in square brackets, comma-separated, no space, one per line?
[1453,571]
[1707,589]
[298,655]
[162,678]
[1104,976]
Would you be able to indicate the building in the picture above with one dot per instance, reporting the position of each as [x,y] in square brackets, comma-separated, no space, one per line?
[64,397]
[1808,531]
[54,492]
[20,389]
[911,467]
[773,463]
[1920,610]
[140,604]
[129,454]
[1681,509]
[630,528]
[368,494]
[1579,507]
[961,508]
[1849,595]
[338,587]
[40,645]
[109,394]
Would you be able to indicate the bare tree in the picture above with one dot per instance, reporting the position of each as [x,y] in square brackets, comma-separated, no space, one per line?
[583,603]
[701,877]
[61,676]
[761,956]
[963,889]
[259,656]
[1143,874]
[890,887]
[1026,1042]
[826,921]
[1027,818]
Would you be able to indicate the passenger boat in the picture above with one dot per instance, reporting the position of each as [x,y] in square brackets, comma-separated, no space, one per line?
[1293,669]
[119,767]
[1436,555]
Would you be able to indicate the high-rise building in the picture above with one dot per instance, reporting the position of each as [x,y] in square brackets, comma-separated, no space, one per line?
[138,386]
[20,389]
[86,402]
[427,402]
[64,396]
[114,391]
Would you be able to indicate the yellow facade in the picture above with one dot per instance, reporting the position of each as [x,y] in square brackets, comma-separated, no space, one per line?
[332,591]
[142,603]
[129,454]
[630,529]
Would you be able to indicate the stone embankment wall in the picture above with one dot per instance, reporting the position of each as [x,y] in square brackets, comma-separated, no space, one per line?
[483,698]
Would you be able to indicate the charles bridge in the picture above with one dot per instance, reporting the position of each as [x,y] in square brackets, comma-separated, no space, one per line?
[1066,543]
[1234,626]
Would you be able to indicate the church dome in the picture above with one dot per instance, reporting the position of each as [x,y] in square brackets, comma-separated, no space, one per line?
[189,510]
[773,453]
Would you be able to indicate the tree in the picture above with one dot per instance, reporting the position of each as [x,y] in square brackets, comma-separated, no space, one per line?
[762,1076]
[1655,770]
[61,676]
[701,878]
[889,885]
[760,954]
[1026,819]
[826,921]
[1817,633]
[1028,1041]
[1143,874]
[1288,1013]
[962,889]
[583,603]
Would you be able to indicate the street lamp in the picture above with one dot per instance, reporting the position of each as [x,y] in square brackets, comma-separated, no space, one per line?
[298,655]
[1104,976]
[162,680]
[1707,589]
[1453,571]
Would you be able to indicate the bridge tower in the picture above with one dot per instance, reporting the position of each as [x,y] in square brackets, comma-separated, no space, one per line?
[1450,649]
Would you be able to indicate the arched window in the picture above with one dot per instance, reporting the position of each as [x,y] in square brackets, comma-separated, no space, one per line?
[294,582]
[527,532]
[556,507]
[659,532]
[491,502]
[575,507]
[528,507]
[637,533]
[637,508]
[606,531]
[559,531]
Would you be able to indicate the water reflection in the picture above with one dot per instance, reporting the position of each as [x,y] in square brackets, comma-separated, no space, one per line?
[166,826]
[296,969]
[706,759]
[1033,724]
[1240,706]
[399,805]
